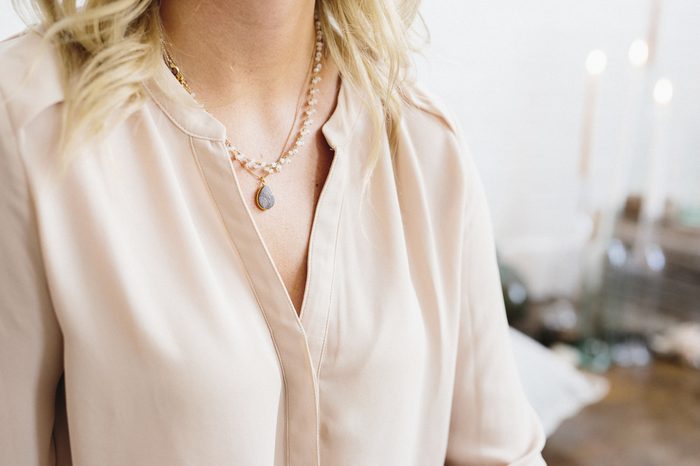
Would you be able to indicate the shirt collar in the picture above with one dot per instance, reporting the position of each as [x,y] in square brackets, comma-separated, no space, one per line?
[188,115]
[34,82]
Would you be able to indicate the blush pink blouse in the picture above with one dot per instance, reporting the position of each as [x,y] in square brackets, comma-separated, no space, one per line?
[143,321]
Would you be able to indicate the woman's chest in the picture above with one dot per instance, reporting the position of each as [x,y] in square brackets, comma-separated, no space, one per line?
[169,238]
[286,227]
[160,268]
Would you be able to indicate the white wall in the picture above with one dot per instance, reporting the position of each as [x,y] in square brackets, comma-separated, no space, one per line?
[9,22]
[512,71]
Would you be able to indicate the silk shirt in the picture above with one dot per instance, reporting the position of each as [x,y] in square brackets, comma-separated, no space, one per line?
[143,321]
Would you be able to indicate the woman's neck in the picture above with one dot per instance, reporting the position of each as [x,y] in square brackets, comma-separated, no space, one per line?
[240,50]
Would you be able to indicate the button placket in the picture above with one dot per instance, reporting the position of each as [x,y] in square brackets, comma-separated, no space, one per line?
[285,327]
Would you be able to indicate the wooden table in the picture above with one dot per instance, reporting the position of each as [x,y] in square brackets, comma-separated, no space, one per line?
[651,417]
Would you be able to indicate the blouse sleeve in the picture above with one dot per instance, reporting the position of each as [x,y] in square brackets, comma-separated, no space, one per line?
[30,339]
[492,422]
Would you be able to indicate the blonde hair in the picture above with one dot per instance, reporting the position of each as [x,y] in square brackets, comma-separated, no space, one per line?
[108,47]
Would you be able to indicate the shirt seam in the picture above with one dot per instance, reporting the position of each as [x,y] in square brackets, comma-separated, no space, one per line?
[234,247]
[332,289]
[339,148]
[37,234]
[469,209]
[174,120]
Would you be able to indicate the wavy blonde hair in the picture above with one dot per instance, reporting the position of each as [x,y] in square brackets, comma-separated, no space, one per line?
[108,47]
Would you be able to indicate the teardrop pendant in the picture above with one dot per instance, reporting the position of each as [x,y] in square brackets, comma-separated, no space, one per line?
[264,198]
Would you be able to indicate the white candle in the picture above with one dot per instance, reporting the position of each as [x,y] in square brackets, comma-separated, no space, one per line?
[655,197]
[646,250]
[596,63]
[595,66]
[632,125]
[628,142]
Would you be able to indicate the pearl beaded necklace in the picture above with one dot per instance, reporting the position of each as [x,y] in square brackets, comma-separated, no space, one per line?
[263,196]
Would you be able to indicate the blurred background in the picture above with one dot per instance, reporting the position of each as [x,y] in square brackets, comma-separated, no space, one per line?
[584,120]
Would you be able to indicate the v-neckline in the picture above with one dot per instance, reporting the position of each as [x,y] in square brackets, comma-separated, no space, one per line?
[207,139]
[321,212]
[220,175]
[318,216]
[318,211]
[298,339]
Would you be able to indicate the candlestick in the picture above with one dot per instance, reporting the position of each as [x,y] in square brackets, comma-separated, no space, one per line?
[595,66]
[658,153]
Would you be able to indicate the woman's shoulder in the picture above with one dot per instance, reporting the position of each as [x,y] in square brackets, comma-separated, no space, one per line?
[432,129]
[431,140]
[31,76]
[424,108]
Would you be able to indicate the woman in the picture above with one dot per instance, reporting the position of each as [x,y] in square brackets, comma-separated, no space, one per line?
[183,287]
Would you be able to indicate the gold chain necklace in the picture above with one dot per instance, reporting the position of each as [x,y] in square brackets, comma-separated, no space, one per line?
[264,198]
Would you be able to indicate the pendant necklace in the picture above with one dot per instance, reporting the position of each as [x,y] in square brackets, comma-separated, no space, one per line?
[264,199]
